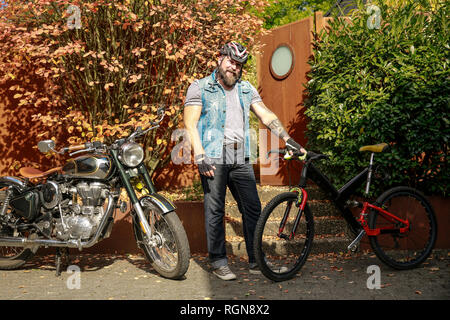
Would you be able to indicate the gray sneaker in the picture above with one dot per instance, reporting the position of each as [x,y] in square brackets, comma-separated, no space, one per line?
[254,268]
[224,273]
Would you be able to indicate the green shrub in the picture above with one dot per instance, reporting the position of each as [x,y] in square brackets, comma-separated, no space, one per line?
[389,84]
[281,12]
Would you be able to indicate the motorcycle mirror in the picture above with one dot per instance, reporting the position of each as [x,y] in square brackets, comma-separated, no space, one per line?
[46,145]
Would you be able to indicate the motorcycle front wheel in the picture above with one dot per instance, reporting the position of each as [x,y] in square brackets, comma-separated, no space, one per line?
[168,250]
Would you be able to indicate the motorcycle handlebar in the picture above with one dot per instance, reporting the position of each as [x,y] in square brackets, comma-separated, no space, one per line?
[89,146]
[82,147]
[77,147]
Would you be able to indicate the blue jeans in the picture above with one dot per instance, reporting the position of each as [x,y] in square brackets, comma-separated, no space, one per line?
[240,178]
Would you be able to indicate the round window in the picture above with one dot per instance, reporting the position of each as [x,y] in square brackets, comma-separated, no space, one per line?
[282,62]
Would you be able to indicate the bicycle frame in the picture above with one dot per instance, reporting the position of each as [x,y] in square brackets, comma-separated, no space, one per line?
[359,226]
[385,214]
[341,199]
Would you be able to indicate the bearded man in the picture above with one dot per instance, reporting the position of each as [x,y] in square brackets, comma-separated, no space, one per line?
[216,116]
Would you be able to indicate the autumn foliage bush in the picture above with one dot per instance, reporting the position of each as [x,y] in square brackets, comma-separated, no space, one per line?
[105,71]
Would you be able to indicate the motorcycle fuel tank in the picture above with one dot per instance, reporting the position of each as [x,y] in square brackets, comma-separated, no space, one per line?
[94,166]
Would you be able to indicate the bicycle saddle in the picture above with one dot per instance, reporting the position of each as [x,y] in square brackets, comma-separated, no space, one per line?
[381,147]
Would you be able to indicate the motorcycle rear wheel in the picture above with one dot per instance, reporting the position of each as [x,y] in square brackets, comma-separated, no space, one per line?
[12,257]
[170,257]
[15,257]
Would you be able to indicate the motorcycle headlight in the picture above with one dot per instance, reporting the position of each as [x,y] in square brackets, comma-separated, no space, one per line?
[131,154]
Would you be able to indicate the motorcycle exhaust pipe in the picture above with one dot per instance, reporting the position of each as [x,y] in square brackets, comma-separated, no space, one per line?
[25,242]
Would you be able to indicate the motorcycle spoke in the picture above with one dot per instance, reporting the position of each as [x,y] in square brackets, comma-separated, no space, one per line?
[169,256]
[165,251]
[8,252]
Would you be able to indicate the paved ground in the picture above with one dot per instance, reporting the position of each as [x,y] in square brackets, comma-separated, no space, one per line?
[130,277]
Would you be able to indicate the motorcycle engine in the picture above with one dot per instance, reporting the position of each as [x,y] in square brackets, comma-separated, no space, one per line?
[80,207]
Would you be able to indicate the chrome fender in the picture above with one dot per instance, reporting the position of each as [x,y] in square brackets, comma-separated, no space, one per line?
[159,201]
[17,183]
[139,229]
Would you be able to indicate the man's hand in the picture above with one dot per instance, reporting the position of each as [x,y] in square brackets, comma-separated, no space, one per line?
[271,121]
[205,165]
[294,147]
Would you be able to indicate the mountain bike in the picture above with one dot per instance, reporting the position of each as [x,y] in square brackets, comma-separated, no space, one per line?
[401,224]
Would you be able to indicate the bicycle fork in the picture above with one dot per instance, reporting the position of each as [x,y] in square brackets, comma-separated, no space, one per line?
[300,203]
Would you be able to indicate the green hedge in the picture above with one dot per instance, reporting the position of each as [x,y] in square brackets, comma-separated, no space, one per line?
[388,84]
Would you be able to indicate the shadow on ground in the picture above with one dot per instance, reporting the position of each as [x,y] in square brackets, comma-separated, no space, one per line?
[131,277]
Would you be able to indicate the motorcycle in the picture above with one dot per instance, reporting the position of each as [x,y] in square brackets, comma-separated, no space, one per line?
[72,206]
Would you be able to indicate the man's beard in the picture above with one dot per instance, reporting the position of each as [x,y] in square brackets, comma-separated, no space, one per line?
[228,79]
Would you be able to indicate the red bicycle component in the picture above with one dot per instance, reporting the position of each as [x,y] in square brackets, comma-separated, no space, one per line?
[386,215]
[302,203]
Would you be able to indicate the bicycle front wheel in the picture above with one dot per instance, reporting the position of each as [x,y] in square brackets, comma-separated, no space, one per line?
[280,255]
[404,250]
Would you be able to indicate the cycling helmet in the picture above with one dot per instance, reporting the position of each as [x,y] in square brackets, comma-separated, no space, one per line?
[235,51]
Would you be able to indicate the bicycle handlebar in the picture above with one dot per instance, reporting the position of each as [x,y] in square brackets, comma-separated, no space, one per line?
[279,151]
[300,156]
[310,155]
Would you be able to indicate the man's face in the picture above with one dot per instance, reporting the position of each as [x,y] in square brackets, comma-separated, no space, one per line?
[229,70]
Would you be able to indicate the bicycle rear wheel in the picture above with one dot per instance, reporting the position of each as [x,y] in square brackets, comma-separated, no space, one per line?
[279,257]
[410,249]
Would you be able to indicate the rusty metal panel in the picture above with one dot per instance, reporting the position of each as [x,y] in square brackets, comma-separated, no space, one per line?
[285,96]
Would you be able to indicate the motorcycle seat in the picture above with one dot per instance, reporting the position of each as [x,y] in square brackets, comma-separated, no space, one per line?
[33,173]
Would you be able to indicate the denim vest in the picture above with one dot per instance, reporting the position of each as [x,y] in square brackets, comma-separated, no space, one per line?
[211,125]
